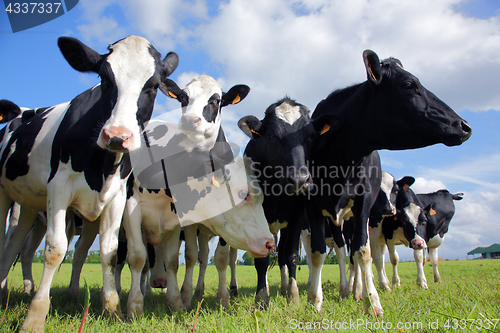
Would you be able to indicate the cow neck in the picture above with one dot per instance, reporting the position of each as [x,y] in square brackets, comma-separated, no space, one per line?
[351,142]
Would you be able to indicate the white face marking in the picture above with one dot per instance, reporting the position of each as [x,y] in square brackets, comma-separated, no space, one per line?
[412,211]
[200,90]
[132,66]
[288,113]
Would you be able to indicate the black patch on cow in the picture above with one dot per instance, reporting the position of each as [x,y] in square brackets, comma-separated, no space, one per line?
[78,129]
[24,133]
[151,255]
[212,109]
[222,242]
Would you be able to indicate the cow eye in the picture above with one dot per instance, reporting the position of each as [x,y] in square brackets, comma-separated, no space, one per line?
[408,85]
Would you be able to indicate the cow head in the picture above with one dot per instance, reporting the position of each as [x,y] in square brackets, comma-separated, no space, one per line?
[404,113]
[410,214]
[8,111]
[201,101]
[283,140]
[130,76]
[232,208]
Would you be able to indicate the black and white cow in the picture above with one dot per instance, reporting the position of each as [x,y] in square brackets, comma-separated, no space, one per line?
[391,110]
[280,146]
[417,224]
[72,156]
[189,176]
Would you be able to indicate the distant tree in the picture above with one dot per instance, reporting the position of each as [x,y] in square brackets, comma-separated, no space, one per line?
[38,257]
[247,259]
[331,259]
[94,257]
[212,261]
[303,261]
[69,256]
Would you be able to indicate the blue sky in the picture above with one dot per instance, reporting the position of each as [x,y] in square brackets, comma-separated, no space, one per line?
[304,49]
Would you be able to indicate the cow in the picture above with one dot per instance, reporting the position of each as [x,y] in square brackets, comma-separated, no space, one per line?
[417,224]
[391,110]
[280,145]
[190,169]
[74,157]
[439,208]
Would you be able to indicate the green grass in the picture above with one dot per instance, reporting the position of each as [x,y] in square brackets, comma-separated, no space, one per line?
[470,291]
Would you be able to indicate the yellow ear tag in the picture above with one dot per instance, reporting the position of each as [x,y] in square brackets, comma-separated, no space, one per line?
[406,186]
[215,182]
[171,94]
[1,117]
[236,100]
[432,212]
[254,132]
[371,72]
[325,129]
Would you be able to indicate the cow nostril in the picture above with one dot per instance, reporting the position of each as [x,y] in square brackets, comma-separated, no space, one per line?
[467,129]
[269,246]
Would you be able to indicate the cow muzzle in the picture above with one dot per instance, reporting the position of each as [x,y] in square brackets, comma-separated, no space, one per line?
[261,250]
[116,139]
[418,244]
[298,183]
[189,122]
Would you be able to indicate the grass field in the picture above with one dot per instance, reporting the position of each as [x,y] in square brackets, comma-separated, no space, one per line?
[468,300]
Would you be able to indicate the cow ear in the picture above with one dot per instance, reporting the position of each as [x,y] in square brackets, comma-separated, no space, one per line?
[170,62]
[457,196]
[78,55]
[250,125]
[172,90]
[235,95]
[8,111]
[405,182]
[327,123]
[372,64]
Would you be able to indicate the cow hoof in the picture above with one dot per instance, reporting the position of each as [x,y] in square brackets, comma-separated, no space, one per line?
[28,287]
[423,285]
[437,279]
[233,290]
[261,300]
[224,302]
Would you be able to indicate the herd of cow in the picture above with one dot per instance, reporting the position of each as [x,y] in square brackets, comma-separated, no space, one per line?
[315,178]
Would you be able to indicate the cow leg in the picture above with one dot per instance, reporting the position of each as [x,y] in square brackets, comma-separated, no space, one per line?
[378,255]
[5,203]
[419,256]
[109,228]
[136,251]
[433,257]
[56,245]
[82,246]
[221,259]
[34,239]
[16,242]
[394,257]
[357,284]
[203,251]
[344,283]
[233,258]
[170,245]
[262,294]
[121,257]
[318,249]
[190,255]
[305,238]
[282,263]
[362,255]
[340,252]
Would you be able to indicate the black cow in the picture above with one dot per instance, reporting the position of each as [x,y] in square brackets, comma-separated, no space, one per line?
[73,156]
[280,146]
[391,110]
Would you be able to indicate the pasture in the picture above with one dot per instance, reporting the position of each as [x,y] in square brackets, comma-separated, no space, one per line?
[468,300]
